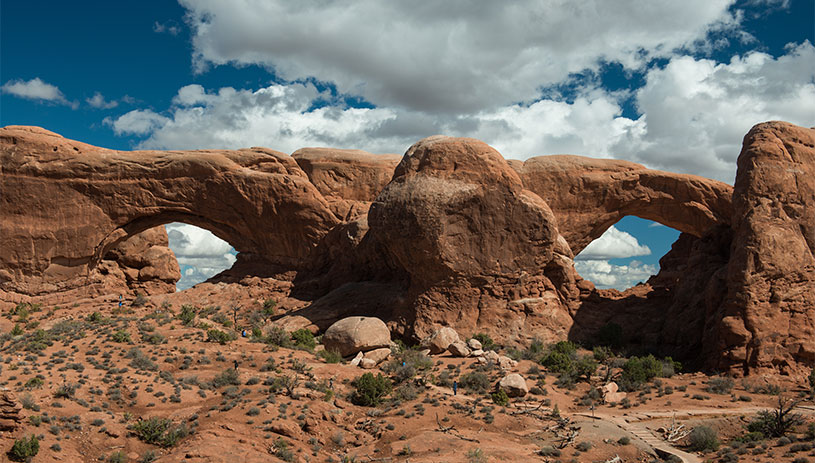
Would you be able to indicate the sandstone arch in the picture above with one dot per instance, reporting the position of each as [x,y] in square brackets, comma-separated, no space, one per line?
[65,204]
[590,195]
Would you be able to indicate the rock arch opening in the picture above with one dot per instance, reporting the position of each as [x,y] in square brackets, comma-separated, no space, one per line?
[626,254]
[200,253]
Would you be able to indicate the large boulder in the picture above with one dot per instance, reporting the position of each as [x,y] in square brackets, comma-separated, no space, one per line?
[440,340]
[356,334]
[514,385]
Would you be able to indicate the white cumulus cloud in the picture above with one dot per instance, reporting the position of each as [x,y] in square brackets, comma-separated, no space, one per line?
[447,57]
[613,244]
[137,122]
[98,101]
[605,275]
[204,253]
[36,89]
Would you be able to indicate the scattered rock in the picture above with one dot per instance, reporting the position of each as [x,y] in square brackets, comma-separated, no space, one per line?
[367,363]
[514,385]
[354,334]
[474,344]
[10,409]
[477,353]
[378,355]
[459,349]
[506,363]
[440,340]
[357,359]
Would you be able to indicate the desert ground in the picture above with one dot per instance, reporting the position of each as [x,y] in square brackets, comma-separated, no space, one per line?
[153,380]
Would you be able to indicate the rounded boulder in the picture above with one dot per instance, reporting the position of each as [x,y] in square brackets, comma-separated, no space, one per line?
[356,334]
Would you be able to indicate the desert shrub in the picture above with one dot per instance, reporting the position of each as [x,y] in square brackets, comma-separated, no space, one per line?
[370,389]
[777,422]
[140,361]
[476,456]
[625,440]
[120,336]
[639,370]
[277,336]
[476,382]
[330,356]
[283,451]
[17,330]
[670,367]
[24,449]
[35,420]
[406,392]
[152,338]
[117,457]
[500,398]
[558,362]
[585,367]
[584,446]
[159,431]
[66,391]
[565,347]
[703,439]
[139,300]
[228,377]
[406,363]
[601,353]
[269,307]
[187,314]
[34,383]
[549,451]
[303,339]
[610,335]
[719,385]
[221,337]
[95,317]
[486,341]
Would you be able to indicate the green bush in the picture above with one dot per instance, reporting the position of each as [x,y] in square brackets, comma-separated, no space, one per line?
[719,385]
[585,367]
[159,431]
[330,356]
[370,389]
[120,336]
[269,307]
[500,398]
[221,337]
[476,382]
[277,336]
[34,383]
[703,439]
[117,457]
[187,314]
[639,370]
[486,341]
[24,449]
[777,422]
[303,339]
[95,317]
[558,362]
[228,377]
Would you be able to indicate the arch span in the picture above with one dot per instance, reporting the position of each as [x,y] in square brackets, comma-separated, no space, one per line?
[590,195]
[90,199]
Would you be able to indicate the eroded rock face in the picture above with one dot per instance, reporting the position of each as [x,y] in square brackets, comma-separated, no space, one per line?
[768,320]
[589,195]
[455,236]
[66,204]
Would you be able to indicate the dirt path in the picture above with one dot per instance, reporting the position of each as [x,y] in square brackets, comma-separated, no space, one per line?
[634,423]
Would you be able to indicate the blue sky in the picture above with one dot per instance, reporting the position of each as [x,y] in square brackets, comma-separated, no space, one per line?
[672,85]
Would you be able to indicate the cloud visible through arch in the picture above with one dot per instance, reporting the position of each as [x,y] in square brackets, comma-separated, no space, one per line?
[593,262]
[200,254]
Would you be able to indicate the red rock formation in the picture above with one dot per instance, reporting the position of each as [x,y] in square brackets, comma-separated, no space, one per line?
[66,204]
[455,236]
[768,320]
[348,179]
[589,195]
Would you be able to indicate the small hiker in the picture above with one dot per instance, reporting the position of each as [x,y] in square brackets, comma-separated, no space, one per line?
[455,387]
[121,302]
[243,333]
[236,364]
[331,383]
